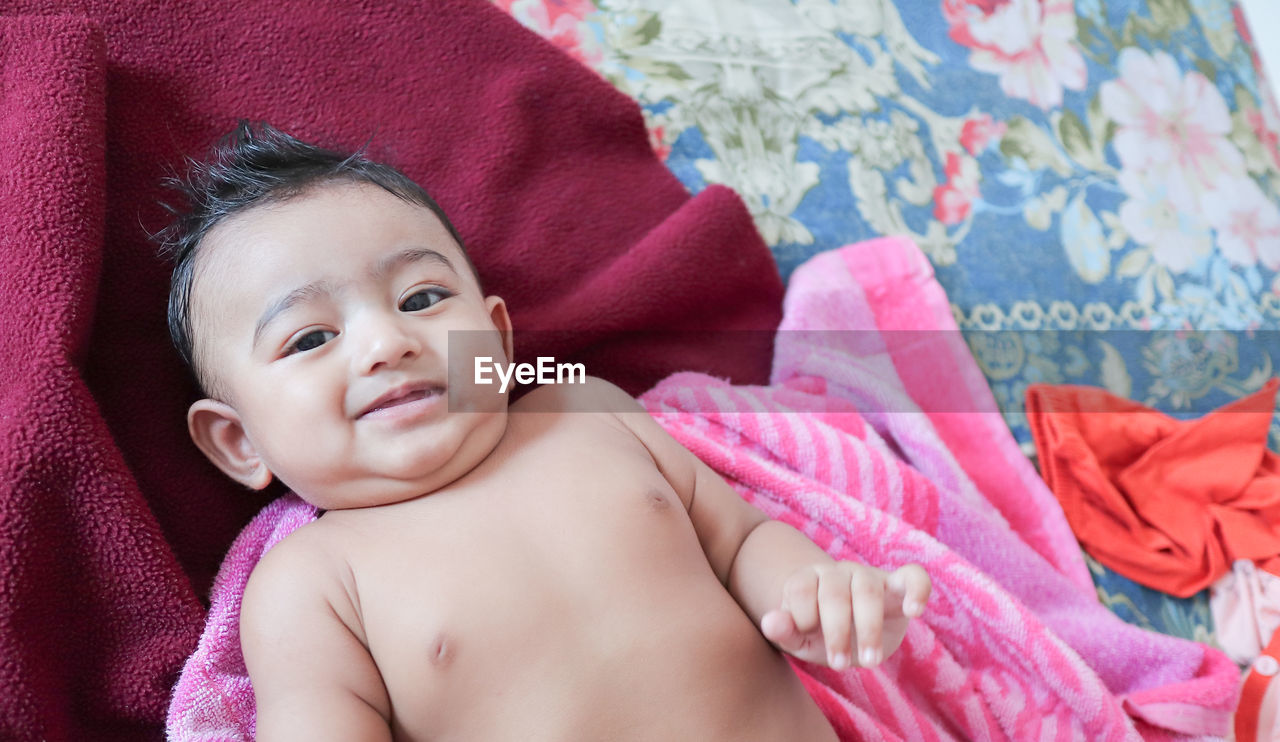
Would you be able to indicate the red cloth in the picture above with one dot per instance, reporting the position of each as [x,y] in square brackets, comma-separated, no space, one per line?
[111,522]
[1167,503]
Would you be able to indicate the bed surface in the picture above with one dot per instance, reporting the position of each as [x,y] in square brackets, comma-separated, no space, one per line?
[1095,183]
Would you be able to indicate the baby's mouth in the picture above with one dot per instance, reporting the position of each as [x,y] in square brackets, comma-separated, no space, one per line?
[399,398]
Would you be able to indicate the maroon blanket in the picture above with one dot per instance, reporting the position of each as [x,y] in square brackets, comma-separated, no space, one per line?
[111,523]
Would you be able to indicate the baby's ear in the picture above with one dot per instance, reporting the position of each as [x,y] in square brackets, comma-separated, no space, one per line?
[501,320]
[217,431]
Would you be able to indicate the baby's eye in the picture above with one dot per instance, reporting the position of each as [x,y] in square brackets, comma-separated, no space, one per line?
[311,341]
[420,300]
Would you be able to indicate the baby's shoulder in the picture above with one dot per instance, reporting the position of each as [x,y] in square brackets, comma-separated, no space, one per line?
[298,575]
[301,630]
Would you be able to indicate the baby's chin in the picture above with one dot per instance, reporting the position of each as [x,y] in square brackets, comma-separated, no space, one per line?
[399,484]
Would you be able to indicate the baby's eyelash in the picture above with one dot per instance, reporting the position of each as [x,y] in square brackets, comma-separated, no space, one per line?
[304,342]
[438,293]
[296,345]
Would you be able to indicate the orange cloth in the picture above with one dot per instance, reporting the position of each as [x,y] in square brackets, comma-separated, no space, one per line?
[1167,503]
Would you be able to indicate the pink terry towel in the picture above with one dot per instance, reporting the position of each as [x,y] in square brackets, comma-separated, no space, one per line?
[1013,644]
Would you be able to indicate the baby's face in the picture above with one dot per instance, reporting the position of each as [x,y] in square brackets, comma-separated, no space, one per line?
[326,319]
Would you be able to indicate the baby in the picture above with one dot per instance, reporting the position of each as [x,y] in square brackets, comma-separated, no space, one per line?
[556,569]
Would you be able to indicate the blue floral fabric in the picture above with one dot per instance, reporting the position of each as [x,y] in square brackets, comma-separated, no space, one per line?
[1096,182]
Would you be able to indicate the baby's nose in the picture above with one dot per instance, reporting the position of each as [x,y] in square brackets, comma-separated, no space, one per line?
[387,344]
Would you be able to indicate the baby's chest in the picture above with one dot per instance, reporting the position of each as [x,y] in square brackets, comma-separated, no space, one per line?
[574,538]
[565,569]
[588,539]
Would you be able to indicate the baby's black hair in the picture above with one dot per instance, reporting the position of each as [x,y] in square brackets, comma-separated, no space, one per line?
[250,166]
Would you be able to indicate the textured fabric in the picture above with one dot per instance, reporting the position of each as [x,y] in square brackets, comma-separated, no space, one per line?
[1012,644]
[1028,146]
[1077,171]
[1246,610]
[95,612]
[1168,503]
[1257,718]
[213,697]
[111,523]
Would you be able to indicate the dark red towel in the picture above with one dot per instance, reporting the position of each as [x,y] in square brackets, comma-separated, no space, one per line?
[111,523]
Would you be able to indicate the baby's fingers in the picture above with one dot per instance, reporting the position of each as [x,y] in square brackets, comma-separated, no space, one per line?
[779,628]
[868,614]
[800,598]
[833,607]
[913,585]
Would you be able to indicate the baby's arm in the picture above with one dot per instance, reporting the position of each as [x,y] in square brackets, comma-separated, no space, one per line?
[312,678]
[806,603]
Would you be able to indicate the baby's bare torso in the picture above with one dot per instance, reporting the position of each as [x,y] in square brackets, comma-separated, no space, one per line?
[558,592]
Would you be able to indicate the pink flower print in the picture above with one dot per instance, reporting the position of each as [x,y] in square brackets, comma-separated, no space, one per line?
[1263,130]
[1171,125]
[1264,121]
[979,132]
[953,200]
[656,142]
[1242,25]
[1029,44]
[575,9]
[1178,238]
[1247,223]
[557,21]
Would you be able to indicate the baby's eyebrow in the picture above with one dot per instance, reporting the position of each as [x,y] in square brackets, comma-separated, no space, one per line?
[300,295]
[404,257]
[315,289]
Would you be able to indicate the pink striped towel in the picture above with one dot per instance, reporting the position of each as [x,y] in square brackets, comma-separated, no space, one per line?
[878,438]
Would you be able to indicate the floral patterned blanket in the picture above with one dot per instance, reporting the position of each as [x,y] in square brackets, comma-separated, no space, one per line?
[1096,182]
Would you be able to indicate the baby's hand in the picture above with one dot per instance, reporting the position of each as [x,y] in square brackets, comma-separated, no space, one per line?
[826,608]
